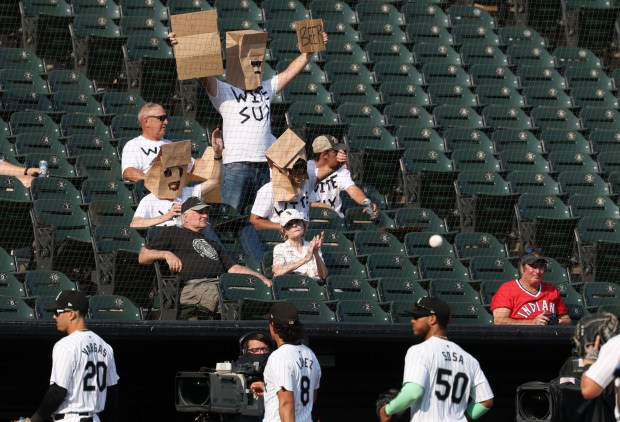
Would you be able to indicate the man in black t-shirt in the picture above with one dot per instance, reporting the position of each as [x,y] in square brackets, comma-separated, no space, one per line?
[199,261]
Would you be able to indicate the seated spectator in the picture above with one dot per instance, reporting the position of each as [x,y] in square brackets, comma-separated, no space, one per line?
[23,174]
[330,153]
[159,210]
[199,261]
[266,210]
[139,153]
[296,255]
[529,300]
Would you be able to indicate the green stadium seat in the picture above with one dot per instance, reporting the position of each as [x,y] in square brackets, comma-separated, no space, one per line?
[483,54]
[488,289]
[76,102]
[537,95]
[55,188]
[585,96]
[495,94]
[473,244]
[528,181]
[583,183]
[340,31]
[469,314]
[429,32]
[521,55]
[122,103]
[387,71]
[598,118]
[113,308]
[7,262]
[109,212]
[590,77]
[543,77]
[330,11]
[106,190]
[350,288]
[70,80]
[380,50]
[591,232]
[38,143]
[291,286]
[369,242]
[486,74]
[178,7]
[443,61]
[58,165]
[417,245]
[452,94]
[380,12]
[339,263]
[23,79]
[593,205]
[474,33]
[465,14]
[337,70]
[83,123]
[462,138]
[361,311]
[292,10]
[523,160]
[10,285]
[400,289]
[425,12]
[334,240]
[142,25]
[567,56]
[413,137]
[516,139]
[566,140]
[47,283]
[453,291]
[353,92]
[597,293]
[340,50]
[442,267]
[15,100]
[97,166]
[409,94]
[312,310]
[380,32]
[503,117]
[243,297]
[82,144]
[572,161]
[488,268]
[154,9]
[370,135]
[472,158]
[15,309]
[510,35]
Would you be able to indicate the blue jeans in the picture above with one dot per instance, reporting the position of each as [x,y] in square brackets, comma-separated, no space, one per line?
[241,182]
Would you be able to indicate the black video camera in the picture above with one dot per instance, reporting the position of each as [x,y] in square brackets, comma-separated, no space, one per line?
[225,389]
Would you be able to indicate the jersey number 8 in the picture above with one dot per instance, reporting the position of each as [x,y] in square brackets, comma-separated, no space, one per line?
[97,371]
[459,382]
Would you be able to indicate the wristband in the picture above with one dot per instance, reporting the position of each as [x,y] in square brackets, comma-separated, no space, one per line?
[217,158]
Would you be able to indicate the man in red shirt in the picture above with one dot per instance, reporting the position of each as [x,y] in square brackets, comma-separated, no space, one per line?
[529,300]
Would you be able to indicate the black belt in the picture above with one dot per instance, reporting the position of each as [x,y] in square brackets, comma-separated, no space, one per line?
[60,416]
[257,164]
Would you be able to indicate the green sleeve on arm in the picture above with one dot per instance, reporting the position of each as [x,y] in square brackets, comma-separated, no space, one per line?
[476,410]
[408,394]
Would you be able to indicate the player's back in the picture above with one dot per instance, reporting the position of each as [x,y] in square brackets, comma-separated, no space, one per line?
[84,365]
[297,369]
[449,376]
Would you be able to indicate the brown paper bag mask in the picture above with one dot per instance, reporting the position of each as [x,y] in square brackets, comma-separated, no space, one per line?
[168,175]
[245,58]
[282,155]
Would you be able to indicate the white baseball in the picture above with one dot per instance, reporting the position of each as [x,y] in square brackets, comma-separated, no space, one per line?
[435,241]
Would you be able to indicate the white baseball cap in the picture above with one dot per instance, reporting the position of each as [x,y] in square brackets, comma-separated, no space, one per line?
[289,215]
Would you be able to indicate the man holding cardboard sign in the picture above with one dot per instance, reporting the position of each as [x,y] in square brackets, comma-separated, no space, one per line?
[167,179]
[244,102]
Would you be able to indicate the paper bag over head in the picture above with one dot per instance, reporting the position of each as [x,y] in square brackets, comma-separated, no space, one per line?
[245,58]
[199,51]
[282,155]
[168,175]
[310,35]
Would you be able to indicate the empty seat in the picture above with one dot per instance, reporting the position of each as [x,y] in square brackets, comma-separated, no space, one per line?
[453,291]
[361,311]
[350,288]
[469,245]
[443,267]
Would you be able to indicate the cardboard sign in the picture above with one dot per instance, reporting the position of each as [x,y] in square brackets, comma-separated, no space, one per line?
[282,155]
[309,35]
[199,51]
[245,58]
[168,175]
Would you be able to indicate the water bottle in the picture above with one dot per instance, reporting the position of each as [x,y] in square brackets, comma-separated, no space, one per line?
[178,220]
[43,168]
[368,207]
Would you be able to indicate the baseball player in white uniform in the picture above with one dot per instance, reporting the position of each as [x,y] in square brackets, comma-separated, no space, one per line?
[440,378]
[598,378]
[84,377]
[293,374]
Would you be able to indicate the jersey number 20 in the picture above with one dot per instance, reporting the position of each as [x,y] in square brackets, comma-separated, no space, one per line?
[95,373]
[452,387]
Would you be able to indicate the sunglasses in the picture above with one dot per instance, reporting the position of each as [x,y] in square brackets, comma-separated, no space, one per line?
[161,118]
[62,311]
[292,223]
[537,251]
[418,307]
[168,172]
[257,350]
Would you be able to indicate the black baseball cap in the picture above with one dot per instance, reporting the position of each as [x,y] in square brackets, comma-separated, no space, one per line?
[427,306]
[193,203]
[283,313]
[71,299]
[533,255]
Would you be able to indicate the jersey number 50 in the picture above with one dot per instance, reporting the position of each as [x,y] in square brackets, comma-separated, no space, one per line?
[452,387]
[95,373]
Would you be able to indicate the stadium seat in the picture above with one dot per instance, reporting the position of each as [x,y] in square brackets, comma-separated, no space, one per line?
[488,289]
[325,218]
[485,74]
[483,54]
[150,68]
[15,204]
[598,263]
[419,220]
[566,140]
[590,23]
[609,161]
[142,25]
[15,309]
[597,293]
[403,115]
[243,296]
[546,220]
[14,100]
[483,268]
[361,311]
[502,117]
[528,181]
[105,9]
[340,31]
[390,265]
[83,123]
[403,73]
[537,95]
[345,91]
[76,102]
[315,118]
[7,262]
[125,125]
[38,143]
[583,183]
[556,273]
[407,290]
[593,206]
[109,212]
[368,242]
[333,240]
[461,14]
[70,80]
[425,12]
[474,33]
[154,9]
[330,11]
[452,94]
[58,166]
[303,90]
[122,103]
[290,286]
[510,35]
[567,56]
[555,117]
[417,245]
[97,43]
[595,118]
[586,96]
[82,144]
[413,138]
[341,50]
[365,135]
[113,308]
[524,160]
[42,307]
[11,286]
[47,283]
[397,52]
[312,310]
[380,32]
[350,288]
[516,139]
[379,12]
[520,55]
[469,314]
[339,263]
[486,203]
[443,267]
[118,271]
[453,291]
[429,33]
[55,188]
[590,77]
[357,219]
[343,70]
[96,166]
[473,244]
[571,161]
[23,79]
[449,115]
[501,95]
[541,76]
[472,158]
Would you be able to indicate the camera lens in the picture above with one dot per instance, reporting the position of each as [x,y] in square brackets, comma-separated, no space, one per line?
[534,405]
[194,391]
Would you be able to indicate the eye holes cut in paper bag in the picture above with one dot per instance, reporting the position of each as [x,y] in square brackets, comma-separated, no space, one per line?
[282,155]
[199,51]
[245,58]
[309,35]
[168,175]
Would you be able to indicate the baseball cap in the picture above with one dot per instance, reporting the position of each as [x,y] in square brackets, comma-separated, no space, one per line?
[289,215]
[532,255]
[193,203]
[325,143]
[427,306]
[283,313]
[70,299]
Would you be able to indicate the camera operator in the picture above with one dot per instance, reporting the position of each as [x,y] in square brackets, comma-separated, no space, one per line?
[255,346]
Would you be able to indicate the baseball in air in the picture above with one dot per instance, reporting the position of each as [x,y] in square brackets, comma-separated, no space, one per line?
[435,241]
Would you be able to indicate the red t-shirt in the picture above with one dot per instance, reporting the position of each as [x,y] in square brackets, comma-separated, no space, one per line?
[525,305]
